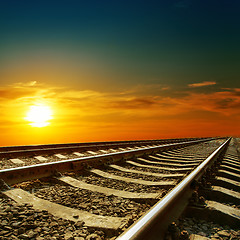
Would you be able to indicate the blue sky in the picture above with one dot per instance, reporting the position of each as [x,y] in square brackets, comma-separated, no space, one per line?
[182,41]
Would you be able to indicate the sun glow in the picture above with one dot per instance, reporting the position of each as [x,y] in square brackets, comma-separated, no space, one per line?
[39,115]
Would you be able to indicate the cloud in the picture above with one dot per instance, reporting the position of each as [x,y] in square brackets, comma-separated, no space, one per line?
[88,115]
[25,84]
[226,103]
[202,84]
[145,89]
[133,103]
[12,93]
[236,90]
[76,95]
[73,106]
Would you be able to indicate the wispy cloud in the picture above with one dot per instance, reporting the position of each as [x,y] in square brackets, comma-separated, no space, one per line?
[224,102]
[202,84]
[25,84]
[98,102]
[121,112]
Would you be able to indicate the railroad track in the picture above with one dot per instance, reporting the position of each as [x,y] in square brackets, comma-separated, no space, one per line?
[15,156]
[84,148]
[103,194]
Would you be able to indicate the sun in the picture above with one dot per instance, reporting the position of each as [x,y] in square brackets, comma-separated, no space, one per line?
[39,115]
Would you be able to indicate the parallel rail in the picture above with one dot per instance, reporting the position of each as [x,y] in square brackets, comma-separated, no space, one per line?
[28,147]
[19,174]
[32,150]
[154,223]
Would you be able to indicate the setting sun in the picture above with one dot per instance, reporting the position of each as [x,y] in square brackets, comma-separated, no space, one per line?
[39,115]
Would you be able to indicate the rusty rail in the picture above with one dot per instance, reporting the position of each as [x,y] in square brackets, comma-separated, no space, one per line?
[154,223]
[19,174]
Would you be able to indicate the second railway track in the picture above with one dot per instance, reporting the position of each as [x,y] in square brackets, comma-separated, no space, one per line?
[71,148]
[101,196]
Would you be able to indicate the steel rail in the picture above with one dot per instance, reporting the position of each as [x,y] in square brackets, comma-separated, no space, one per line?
[25,173]
[154,223]
[33,150]
[10,148]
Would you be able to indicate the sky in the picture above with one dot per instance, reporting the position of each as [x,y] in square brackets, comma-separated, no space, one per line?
[119,70]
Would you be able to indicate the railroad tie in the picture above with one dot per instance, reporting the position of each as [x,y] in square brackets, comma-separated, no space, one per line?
[174,160]
[90,220]
[180,156]
[41,159]
[231,163]
[226,191]
[109,191]
[16,161]
[168,164]
[163,175]
[79,154]
[132,180]
[60,156]
[91,152]
[229,175]
[159,168]
[226,182]
[103,151]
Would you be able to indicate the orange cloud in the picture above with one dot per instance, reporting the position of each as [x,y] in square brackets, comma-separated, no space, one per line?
[202,84]
[85,115]
[89,102]
[225,103]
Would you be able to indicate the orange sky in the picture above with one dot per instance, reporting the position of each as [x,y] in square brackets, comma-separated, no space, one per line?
[149,111]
